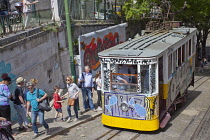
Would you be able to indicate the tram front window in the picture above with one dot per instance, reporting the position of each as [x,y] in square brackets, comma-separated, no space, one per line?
[125,78]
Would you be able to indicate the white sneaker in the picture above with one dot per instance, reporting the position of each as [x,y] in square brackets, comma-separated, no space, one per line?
[35,135]
[69,120]
[75,119]
[94,110]
[99,108]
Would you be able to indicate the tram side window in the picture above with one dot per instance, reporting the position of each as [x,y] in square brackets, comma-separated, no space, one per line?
[174,61]
[179,57]
[153,77]
[190,47]
[170,65]
[144,78]
[105,78]
[193,44]
[183,53]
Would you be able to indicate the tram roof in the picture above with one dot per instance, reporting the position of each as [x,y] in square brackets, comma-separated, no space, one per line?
[149,45]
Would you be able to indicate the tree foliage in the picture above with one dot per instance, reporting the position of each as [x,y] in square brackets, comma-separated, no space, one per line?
[135,9]
[195,14]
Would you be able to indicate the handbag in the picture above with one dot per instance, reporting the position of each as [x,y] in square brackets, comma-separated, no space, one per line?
[71,101]
[79,84]
[44,104]
[95,85]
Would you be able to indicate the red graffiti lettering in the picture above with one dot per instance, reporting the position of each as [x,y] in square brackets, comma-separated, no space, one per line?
[91,51]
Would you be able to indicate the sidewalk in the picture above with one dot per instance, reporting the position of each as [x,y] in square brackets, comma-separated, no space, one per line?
[58,127]
[205,72]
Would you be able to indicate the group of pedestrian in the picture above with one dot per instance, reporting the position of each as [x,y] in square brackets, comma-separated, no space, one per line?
[22,103]
[87,89]
[27,96]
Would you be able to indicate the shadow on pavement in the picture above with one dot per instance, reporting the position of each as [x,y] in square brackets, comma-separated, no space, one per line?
[182,106]
[83,117]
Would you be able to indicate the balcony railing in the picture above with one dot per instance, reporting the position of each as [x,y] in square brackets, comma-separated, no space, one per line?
[17,22]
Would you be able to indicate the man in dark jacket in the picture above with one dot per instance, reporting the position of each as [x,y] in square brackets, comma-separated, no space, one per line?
[5,9]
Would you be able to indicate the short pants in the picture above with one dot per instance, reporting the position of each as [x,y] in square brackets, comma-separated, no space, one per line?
[59,110]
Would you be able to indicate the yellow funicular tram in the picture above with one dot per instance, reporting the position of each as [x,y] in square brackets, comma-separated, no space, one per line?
[143,78]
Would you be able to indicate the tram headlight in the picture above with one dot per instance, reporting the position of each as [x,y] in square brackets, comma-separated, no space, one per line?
[124,107]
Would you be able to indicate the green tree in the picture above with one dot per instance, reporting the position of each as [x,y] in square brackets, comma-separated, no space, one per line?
[134,9]
[196,13]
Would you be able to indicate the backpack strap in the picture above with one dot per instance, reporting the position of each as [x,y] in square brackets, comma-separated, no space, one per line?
[37,93]
[83,77]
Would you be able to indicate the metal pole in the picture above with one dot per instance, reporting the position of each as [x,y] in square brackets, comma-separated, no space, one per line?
[104,9]
[69,35]
[115,6]
[94,8]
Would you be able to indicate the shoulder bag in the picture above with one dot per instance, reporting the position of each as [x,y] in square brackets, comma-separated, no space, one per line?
[95,84]
[44,104]
[71,101]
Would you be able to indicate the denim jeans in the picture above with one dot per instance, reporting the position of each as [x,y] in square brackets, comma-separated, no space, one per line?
[99,102]
[75,108]
[21,112]
[87,92]
[34,115]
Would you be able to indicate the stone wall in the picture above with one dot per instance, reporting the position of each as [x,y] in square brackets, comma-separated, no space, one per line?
[42,56]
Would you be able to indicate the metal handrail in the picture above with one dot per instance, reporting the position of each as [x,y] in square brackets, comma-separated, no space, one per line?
[15,22]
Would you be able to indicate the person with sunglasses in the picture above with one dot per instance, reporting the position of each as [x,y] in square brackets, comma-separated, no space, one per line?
[73,92]
[5,96]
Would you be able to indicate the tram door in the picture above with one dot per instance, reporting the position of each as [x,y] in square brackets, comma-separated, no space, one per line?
[160,71]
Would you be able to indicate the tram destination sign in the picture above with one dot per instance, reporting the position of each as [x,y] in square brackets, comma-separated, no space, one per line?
[128,61]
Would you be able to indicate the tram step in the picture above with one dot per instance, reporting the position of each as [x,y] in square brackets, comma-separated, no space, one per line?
[165,120]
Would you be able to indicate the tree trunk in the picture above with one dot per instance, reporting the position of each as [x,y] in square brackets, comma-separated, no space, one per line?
[198,49]
[205,33]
